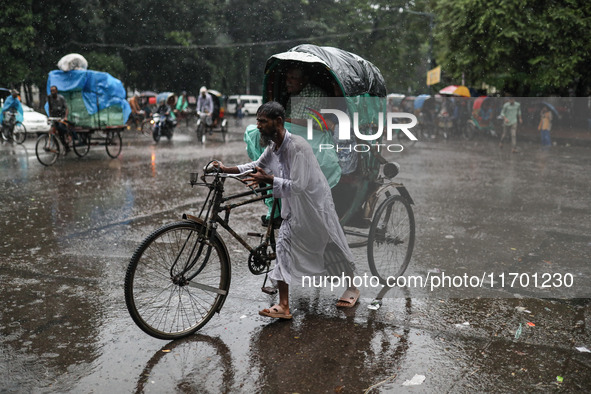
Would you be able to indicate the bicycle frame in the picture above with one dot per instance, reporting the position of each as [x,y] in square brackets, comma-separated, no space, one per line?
[216,202]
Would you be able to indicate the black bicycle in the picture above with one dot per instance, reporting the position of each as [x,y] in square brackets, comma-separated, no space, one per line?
[180,275]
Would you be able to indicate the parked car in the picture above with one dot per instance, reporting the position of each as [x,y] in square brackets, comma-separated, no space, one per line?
[250,104]
[35,122]
[3,94]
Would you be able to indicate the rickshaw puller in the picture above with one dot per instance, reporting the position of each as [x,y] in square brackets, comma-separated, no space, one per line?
[310,222]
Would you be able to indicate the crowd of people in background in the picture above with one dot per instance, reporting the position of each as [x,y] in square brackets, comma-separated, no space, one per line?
[502,117]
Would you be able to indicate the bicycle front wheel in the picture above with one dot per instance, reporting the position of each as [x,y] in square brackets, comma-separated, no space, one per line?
[201,133]
[47,149]
[176,280]
[19,134]
[391,239]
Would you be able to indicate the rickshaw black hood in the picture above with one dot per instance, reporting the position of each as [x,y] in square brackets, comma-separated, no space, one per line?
[356,75]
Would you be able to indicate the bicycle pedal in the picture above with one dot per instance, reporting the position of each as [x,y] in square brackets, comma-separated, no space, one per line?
[269,290]
[254,234]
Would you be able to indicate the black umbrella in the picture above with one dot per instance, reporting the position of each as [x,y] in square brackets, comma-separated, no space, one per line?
[551,108]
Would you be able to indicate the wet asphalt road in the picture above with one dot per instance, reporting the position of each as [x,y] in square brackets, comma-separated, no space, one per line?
[68,232]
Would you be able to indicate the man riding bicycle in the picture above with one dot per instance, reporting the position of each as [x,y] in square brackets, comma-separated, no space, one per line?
[205,105]
[58,108]
[12,104]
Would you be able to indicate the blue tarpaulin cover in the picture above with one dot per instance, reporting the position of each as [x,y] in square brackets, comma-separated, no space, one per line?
[94,85]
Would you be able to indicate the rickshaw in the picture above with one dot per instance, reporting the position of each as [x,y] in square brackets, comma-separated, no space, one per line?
[97,115]
[206,124]
[482,120]
[365,198]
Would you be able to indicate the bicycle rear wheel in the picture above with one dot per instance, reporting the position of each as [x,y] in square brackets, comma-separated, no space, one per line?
[391,238]
[176,280]
[47,149]
[19,134]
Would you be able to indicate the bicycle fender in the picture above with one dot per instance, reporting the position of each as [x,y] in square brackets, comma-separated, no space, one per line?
[398,186]
[405,194]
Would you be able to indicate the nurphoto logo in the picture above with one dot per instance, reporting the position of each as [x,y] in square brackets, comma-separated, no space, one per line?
[394,121]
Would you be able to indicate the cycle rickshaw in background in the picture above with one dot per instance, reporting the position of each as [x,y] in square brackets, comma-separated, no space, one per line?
[142,121]
[180,275]
[207,124]
[483,119]
[97,114]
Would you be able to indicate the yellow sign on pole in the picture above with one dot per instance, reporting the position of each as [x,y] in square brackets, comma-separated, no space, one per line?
[434,76]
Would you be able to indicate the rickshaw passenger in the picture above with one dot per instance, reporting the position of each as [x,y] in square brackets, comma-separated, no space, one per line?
[182,103]
[484,115]
[308,95]
[136,112]
[347,156]
[310,224]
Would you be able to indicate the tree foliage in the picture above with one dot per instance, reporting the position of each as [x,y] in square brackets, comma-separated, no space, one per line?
[522,46]
[526,46]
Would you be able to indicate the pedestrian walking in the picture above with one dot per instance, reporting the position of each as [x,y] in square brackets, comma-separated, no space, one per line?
[511,114]
[545,126]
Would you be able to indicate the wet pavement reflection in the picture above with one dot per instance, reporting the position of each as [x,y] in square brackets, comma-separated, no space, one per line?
[68,232]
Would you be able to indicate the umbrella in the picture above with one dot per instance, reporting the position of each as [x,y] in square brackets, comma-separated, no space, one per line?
[148,93]
[462,91]
[214,92]
[166,96]
[551,108]
[448,90]
[420,100]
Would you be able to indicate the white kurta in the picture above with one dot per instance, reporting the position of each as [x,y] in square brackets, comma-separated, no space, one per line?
[310,221]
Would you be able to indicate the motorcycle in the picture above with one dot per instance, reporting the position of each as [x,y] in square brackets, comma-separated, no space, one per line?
[162,125]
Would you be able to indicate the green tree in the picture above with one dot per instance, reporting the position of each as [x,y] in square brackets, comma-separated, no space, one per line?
[16,41]
[522,46]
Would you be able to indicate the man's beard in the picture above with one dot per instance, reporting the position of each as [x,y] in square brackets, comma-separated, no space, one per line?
[266,140]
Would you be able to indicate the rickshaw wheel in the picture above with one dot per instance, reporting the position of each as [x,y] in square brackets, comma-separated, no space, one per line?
[82,146]
[469,131]
[146,126]
[403,138]
[391,239]
[113,143]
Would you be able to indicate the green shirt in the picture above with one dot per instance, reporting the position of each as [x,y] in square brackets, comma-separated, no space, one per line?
[181,104]
[512,113]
